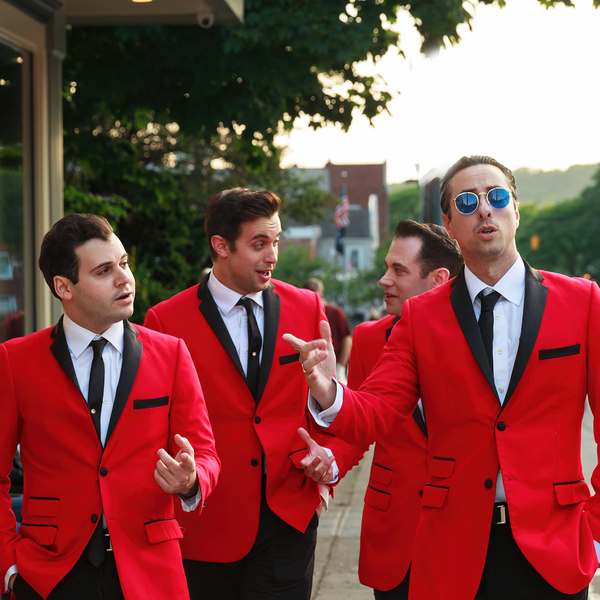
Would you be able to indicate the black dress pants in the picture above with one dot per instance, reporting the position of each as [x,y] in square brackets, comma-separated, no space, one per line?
[400,592]
[82,582]
[508,575]
[279,565]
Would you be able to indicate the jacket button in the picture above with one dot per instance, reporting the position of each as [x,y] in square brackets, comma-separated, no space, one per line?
[94,518]
[488,483]
[257,420]
[104,471]
[501,426]
[421,493]
[254,462]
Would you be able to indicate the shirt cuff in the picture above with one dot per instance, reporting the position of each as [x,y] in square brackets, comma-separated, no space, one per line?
[324,418]
[336,471]
[325,495]
[597,546]
[191,504]
[11,571]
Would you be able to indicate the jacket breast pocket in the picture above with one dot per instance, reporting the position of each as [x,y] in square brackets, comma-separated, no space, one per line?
[150,403]
[289,359]
[559,352]
[162,530]
[377,498]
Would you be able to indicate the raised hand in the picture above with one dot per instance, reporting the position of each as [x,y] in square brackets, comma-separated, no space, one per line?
[317,359]
[177,475]
[317,464]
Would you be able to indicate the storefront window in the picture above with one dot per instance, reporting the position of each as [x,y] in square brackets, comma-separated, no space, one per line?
[14,66]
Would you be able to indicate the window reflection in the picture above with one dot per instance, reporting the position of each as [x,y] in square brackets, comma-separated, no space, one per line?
[12,315]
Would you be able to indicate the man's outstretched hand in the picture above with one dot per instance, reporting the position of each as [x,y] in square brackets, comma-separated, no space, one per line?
[317,360]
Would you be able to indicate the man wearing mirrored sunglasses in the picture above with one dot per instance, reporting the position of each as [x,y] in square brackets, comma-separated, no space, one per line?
[503,357]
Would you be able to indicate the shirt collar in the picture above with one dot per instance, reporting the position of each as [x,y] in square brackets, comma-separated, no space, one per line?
[225,298]
[511,286]
[79,338]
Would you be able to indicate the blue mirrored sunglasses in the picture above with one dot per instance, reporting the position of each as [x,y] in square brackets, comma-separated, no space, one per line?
[467,202]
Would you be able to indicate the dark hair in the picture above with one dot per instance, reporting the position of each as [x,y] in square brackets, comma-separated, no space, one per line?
[227,211]
[437,248]
[472,161]
[58,256]
[315,285]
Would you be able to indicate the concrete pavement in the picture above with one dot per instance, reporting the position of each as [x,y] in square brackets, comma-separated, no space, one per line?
[336,564]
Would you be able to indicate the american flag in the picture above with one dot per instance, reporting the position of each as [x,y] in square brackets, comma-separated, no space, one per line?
[342,211]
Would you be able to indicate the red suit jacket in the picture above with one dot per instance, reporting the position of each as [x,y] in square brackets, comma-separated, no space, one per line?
[70,479]
[436,352]
[398,475]
[244,428]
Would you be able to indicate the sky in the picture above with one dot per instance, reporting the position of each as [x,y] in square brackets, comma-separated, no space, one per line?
[523,86]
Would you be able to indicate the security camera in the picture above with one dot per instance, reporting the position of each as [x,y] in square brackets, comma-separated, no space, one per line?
[205,20]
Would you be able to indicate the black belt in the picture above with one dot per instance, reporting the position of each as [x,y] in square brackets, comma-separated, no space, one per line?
[500,516]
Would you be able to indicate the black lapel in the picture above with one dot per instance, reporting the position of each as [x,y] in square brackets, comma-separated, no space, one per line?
[463,309]
[388,332]
[132,355]
[533,312]
[210,312]
[272,304]
[60,349]
[417,416]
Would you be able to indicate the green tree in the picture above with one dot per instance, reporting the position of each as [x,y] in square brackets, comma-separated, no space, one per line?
[567,232]
[404,204]
[149,111]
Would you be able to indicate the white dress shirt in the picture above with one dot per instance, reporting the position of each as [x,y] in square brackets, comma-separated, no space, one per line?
[236,321]
[82,354]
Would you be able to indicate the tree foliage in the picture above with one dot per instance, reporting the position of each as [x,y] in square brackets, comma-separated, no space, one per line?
[567,232]
[151,111]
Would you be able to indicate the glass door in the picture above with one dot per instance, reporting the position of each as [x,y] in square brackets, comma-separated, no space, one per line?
[15,186]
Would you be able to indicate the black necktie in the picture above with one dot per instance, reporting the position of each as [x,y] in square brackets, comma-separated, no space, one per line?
[486,322]
[96,388]
[254,344]
[95,548]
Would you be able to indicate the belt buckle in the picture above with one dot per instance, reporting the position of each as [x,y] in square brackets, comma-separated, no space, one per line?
[109,545]
[502,509]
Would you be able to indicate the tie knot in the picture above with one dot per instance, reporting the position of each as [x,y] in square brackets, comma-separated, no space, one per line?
[246,303]
[488,302]
[98,346]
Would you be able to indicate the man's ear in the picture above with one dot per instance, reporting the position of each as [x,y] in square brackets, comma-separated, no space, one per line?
[220,246]
[448,225]
[63,287]
[438,277]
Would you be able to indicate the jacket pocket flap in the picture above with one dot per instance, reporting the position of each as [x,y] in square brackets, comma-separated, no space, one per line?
[434,496]
[297,456]
[163,530]
[42,507]
[41,534]
[572,492]
[377,498]
[380,474]
[559,352]
[441,467]
[150,402]
[289,358]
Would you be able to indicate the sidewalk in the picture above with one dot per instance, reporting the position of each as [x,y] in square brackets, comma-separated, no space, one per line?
[336,563]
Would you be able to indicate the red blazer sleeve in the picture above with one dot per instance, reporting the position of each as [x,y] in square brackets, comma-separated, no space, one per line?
[346,455]
[9,429]
[189,418]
